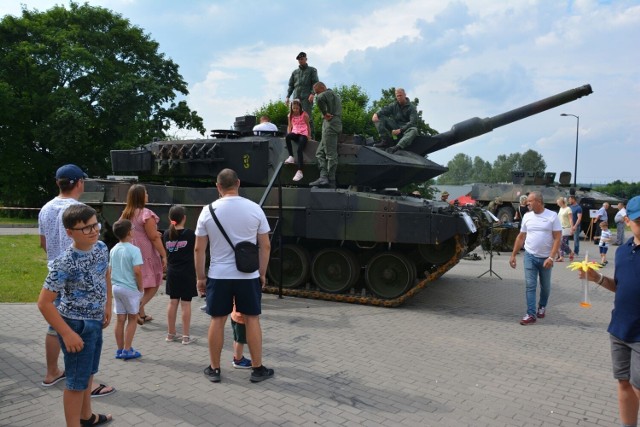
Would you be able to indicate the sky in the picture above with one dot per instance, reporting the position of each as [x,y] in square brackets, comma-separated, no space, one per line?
[461,59]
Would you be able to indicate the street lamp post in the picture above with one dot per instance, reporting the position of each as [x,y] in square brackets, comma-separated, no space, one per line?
[575,167]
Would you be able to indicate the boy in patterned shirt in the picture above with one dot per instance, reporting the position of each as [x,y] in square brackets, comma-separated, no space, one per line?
[80,276]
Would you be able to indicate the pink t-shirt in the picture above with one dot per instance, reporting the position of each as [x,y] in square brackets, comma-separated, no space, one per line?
[298,124]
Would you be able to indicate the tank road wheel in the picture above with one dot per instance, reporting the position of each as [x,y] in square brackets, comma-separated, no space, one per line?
[505,214]
[438,254]
[390,274]
[335,270]
[295,266]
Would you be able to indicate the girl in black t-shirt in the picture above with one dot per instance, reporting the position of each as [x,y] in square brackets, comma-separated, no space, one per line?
[181,273]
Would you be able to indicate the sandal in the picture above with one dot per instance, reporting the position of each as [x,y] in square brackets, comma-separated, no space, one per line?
[171,338]
[186,340]
[55,381]
[571,257]
[102,390]
[96,420]
[144,319]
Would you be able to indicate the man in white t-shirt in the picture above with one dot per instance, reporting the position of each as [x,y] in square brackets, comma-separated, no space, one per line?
[265,126]
[242,220]
[540,233]
[54,240]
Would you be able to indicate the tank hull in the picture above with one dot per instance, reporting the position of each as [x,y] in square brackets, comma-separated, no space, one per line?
[336,242]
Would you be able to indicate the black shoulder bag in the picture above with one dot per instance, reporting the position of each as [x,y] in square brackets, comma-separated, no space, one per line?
[247,255]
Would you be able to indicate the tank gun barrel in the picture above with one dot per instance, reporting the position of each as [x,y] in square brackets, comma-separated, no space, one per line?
[476,126]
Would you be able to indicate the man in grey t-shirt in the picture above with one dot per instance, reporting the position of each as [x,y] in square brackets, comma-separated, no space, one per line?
[54,240]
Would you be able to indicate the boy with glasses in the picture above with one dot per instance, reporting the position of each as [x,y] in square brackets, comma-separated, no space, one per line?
[80,276]
[54,240]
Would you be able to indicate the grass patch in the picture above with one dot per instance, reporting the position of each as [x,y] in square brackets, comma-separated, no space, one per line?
[21,221]
[23,268]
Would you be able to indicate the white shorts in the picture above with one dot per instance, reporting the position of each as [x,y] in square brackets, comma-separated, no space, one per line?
[125,300]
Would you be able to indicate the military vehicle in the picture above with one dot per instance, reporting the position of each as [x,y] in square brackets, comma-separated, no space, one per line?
[363,242]
[525,182]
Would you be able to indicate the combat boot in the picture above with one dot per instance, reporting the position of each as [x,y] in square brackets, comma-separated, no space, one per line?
[393,149]
[384,143]
[320,182]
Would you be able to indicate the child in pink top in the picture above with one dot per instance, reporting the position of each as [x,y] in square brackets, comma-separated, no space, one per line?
[298,130]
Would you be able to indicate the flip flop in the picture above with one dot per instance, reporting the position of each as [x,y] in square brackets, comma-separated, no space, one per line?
[96,420]
[54,382]
[100,391]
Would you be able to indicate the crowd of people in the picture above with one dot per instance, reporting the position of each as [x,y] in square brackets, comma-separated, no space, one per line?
[86,283]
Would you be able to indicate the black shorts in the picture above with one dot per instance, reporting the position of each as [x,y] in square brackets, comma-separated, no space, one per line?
[221,294]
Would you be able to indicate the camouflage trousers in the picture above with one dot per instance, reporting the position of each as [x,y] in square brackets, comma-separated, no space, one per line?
[327,152]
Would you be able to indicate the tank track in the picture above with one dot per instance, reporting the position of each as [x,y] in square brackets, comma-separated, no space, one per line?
[371,299]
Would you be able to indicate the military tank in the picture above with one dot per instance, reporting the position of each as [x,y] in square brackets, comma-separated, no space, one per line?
[362,242]
[524,182]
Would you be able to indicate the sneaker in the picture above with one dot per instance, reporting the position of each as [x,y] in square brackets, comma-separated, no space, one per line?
[528,320]
[290,160]
[119,353]
[186,340]
[298,176]
[541,312]
[132,353]
[204,308]
[261,374]
[212,374]
[243,363]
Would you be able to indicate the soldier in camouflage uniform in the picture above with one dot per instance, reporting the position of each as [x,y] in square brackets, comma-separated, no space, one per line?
[301,82]
[327,153]
[399,120]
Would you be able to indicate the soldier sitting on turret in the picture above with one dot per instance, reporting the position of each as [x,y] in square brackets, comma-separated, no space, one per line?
[399,120]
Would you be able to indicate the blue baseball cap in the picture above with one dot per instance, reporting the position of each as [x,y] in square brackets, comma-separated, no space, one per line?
[633,208]
[71,172]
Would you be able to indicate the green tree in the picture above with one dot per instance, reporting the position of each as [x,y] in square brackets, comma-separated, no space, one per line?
[460,171]
[481,170]
[504,165]
[277,112]
[74,84]
[622,189]
[532,161]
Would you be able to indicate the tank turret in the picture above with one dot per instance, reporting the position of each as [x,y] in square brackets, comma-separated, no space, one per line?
[358,243]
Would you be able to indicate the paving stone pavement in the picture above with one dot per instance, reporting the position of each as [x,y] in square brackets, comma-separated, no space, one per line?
[455,355]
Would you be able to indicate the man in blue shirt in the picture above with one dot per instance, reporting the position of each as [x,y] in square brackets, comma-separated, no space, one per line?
[576,229]
[624,328]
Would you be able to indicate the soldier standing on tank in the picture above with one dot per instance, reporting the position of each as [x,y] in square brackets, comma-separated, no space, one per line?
[327,152]
[301,82]
[399,120]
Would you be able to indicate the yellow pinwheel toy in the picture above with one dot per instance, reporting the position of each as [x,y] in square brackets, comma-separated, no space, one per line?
[585,266]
